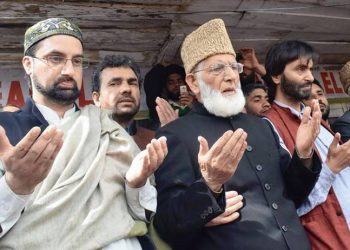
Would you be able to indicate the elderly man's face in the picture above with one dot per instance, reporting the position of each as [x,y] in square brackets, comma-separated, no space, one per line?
[220,90]
[59,83]
[225,82]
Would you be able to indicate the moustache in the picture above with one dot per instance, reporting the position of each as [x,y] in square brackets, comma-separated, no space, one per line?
[126,98]
[322,105]
[307,84]
[61,79]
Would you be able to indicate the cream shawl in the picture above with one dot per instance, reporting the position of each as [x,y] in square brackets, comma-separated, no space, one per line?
[81,204]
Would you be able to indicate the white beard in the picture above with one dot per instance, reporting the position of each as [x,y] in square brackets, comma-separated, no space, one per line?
[218,104]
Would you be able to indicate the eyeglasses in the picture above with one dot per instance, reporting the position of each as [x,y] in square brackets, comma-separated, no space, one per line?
[219,68]
[60,61]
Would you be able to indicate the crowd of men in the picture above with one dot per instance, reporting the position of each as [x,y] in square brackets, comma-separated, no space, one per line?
[243,155]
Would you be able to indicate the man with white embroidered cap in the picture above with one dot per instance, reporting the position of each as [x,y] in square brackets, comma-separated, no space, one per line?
[81,183]
[216,148]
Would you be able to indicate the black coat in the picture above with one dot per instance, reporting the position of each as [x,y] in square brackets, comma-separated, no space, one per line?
[342,125]
[17,124]
[185,204]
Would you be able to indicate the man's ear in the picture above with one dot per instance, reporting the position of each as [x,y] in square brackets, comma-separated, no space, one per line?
[192,83]
[27,63]
[277,79]
[96,98]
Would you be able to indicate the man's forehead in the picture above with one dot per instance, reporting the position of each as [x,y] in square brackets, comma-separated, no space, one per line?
[303,61]
[173,75]
[257,92]
[63,44]
[118,72]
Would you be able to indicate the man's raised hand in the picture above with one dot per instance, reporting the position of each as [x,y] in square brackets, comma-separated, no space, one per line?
[220,162]
[146,162]
[165,112]
[308,130]
[29,162]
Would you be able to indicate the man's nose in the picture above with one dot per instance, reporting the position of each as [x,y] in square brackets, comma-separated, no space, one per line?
[125,87]
[68,68]
[309,76]
[267,104]
[231,75]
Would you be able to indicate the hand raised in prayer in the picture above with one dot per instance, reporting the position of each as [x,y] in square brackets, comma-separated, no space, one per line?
[29,162]
[338,156]
[220,162]
[146,162]
[234,202]
[308,130]
[165,112]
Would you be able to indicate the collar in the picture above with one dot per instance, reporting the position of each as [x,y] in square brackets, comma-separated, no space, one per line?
[51,116]
[292,110]
[173,103]
[200,109]
[31,109]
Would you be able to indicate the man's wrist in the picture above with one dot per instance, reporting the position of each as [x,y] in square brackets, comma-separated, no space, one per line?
[17,187]
[303,155]
[217,191]
[332,167]
[135,184]
[215,188]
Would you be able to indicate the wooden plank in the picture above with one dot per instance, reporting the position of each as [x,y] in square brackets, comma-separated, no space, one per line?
[153,30]
[170,52]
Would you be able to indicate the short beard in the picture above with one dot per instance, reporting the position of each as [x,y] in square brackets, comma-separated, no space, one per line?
[173,97]
[123,117]
[325,114]
[55,93]
[218,104]
[294,90]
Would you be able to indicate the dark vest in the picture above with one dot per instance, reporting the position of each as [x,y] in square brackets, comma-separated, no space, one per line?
[17,124]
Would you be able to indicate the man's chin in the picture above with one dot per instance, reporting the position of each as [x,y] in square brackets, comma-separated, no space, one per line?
[65,89]
[123,115]
[126,110]
[64,97]
[67,92]
[263,113]
[125,107]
